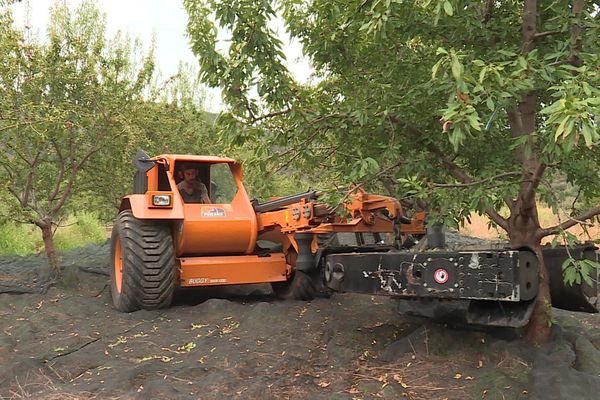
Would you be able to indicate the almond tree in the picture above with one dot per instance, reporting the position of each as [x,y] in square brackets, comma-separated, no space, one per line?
[475,105]
[61,101]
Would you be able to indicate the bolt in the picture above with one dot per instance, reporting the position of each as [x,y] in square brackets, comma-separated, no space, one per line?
[456,285]
[425,284]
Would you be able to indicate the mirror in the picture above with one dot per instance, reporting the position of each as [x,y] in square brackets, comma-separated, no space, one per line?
[142,161]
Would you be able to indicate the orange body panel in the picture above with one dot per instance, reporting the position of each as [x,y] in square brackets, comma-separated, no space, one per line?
[232,270]
[216,229]
[295,217]
[365,204]
[139,204]
[417,225]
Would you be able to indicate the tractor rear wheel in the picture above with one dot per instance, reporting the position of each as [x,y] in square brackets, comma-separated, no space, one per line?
[142,272]
[299,287]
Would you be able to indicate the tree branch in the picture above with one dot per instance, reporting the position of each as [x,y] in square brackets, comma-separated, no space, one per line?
[541,35]
[559,62]
[376,176]
[305,142]
[71,180]
[61,172]
[528,29]
[486,11]
[18,153]
[454,169]
[29,183]
[75,168]
[576,31]
[473,183]
[534,181]
[571,222]
[269,115]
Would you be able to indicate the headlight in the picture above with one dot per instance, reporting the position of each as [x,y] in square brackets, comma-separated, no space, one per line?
[163,200]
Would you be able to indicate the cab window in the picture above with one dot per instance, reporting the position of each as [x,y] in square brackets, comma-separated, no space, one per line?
[222,185]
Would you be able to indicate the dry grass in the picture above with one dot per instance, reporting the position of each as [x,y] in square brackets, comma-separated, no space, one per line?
[40,386]
[479,227]
[427,379]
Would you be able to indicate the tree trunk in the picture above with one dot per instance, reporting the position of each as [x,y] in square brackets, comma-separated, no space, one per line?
[523,225]
[538,330]
[524,231]
[45,225]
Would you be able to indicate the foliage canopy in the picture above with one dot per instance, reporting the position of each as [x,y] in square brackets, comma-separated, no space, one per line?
[403,86]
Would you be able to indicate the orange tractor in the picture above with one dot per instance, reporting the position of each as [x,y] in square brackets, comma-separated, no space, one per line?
[160,242]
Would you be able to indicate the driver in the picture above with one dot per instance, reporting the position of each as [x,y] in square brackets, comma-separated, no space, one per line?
[191,189]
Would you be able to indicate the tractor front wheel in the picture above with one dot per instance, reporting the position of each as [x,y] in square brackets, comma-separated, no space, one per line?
[142,273]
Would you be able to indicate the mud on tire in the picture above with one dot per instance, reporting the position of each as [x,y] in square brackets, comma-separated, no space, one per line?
[142,273]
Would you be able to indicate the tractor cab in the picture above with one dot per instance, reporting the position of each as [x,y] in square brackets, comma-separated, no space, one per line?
[215,180]
[212,210]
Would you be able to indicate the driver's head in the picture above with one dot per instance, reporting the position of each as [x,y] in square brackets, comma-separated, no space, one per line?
[190,175]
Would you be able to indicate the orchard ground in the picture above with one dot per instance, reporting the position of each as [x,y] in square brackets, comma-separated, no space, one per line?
[241,342]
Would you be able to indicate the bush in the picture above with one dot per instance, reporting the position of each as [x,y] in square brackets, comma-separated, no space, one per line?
[78,230]
[19,239]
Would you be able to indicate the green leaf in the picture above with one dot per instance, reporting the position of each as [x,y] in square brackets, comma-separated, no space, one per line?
[457,68]
[588,134]
[456,138]
[561,127]
[586,88]
[567,263]
[448,8]
[482,74]
[588,280]
[569,128]
[554,107]
[435,68]
[507,53]
[474,121]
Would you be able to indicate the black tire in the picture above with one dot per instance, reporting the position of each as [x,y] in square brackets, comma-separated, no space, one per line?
[147,264]
[299,287]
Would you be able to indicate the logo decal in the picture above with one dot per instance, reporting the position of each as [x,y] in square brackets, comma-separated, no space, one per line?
[206,281]
[212,212]
[441,276]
